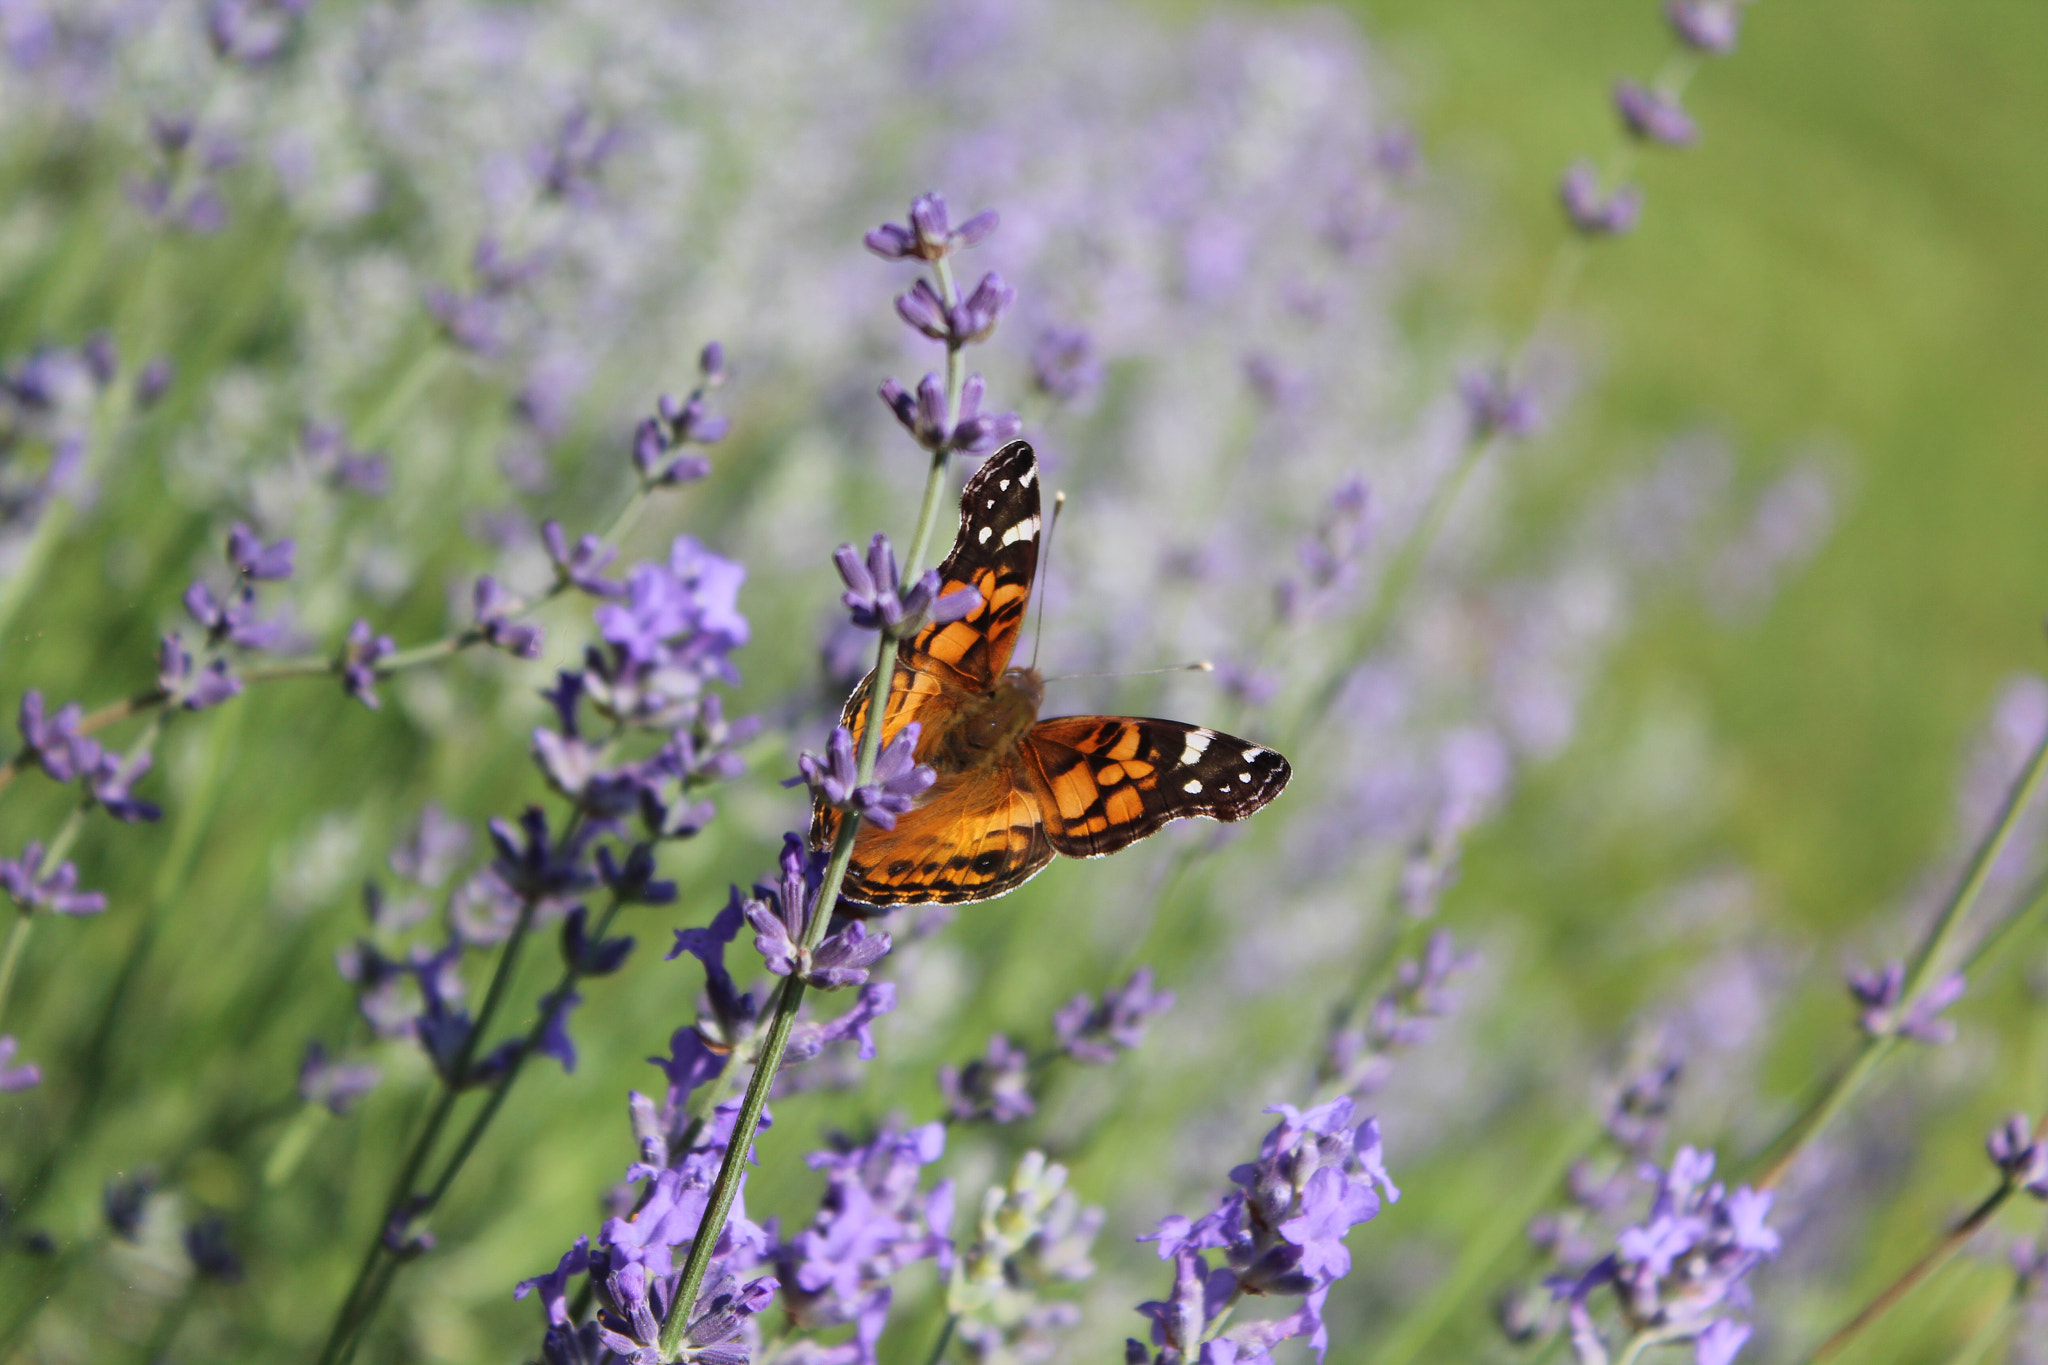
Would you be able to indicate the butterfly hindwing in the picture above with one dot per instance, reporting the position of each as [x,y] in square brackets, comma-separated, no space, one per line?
[996,554]
[1106,781]
[975,836]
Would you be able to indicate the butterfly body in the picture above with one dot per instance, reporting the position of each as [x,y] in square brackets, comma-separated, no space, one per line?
[1013,790]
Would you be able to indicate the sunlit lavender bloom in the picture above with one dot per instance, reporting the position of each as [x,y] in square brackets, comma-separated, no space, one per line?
[1708,26]
[1592,213]
[190,687]
[897,781]
[1494,404]
[494,605]
[568,164]
[2019,1158]
[54,742]
[1065,365]
[671,633]
[1642,1101]
[432,848]
[206,1243]
[334,1084]
[1654,116]
[878,600]
[1094,1032]
[930,235]
[1879,992]
[16,1076]
[111,782]
[995,1088]
[124,1202]
[58,892]
[251,32]
[1679,1271]
[970,320]
[923,415]
[254,560]
[581,566]
[872,1222]
[360,654]
[780,913]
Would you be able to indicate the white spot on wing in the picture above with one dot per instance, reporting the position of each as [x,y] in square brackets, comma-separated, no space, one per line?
[986,532]
[1003,484]
[1244,777]
[1027,477]
[991,504]
[1197,745]
[1021,531]
[1192,785]
[1251,755]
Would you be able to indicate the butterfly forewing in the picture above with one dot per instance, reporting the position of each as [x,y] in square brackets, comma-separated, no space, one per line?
[1105,781]
[996,554]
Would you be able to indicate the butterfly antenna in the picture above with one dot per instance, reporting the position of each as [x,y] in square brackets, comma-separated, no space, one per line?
[1197,666]
[1059,500]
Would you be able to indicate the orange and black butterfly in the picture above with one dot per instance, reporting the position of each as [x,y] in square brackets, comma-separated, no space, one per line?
[1012,789]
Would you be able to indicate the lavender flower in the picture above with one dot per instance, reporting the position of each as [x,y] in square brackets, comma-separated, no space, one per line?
[16,1076]
[1359,1058]
[190,687]
[1493,404]
[334,1084]
[54,742]
[924,416]
[360,655]
[125,1202]
[327,452]
[111,782]
[251,32]
[930,235]
[494,606]
[581,567]
[1065,365]
[1679,1272]
[1708,26]
[255,561]
[154,382]
[232,620]
[1654,116]
[780,913]
[995,1087]
[1591,213]
[877,599]
[432,848]
[1879,992]
[970,320]
[31,889]
[2018,1157]
[675,425]
[1094,1032]
[206,1244]
[898,777]
[873,1221]
[567,165]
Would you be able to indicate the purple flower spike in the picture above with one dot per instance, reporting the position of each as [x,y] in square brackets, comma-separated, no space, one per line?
[995,1087]
[359,659]
[494,607]
[843,959]
[55,742]
[581,566]
[23,880]
[930,235]
[251,32]
[1493,404]
[154,382]
[1708,26]
[898,780]
[256,561]
[111,782]
[1923,1022]
[336,1085]
[1593,214]
[16,1077]
[977,432]
[972,319]
[1064,364]
[779,915]
[195,689]
[924,416]
[834,776]
[1095,1033]
[233,621]
[1654,116]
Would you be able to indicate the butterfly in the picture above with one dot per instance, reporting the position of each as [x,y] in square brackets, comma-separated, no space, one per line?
[1014,790]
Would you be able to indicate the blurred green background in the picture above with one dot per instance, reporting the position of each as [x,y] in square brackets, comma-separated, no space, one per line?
[1850,258]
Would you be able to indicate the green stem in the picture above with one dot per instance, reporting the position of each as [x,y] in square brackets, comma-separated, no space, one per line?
[1937,1256]
[1642,1341]
[1823,1111]
[10,957]
[768,1059]
[938,1352]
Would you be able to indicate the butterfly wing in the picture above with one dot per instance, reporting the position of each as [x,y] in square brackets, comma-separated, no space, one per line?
[974,836]
[1104,782]
[996,554]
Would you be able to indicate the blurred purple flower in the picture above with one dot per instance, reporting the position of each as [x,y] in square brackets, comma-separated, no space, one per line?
[581,566]
[251,32]
[1654,116]
[16,1076]
[233,621]
[1879,992]
[995,1088]
[930,235]
[360,654]
[1590,212]
[1358,1058]
[254,560]
[153,382]
[124,1202]
[30,889]
[192,688]
[1708,26]
[206,1243]
[2020,1158]
[494,607]
[111,782]
[1493,404]
[54,741]
[336,1085]
[568,163]
[1065,365]
[1093,1032]
[327,452]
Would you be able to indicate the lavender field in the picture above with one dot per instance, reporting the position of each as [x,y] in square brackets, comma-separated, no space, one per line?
[458,458]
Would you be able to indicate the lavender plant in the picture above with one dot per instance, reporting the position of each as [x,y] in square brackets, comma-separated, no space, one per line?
[369,297]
